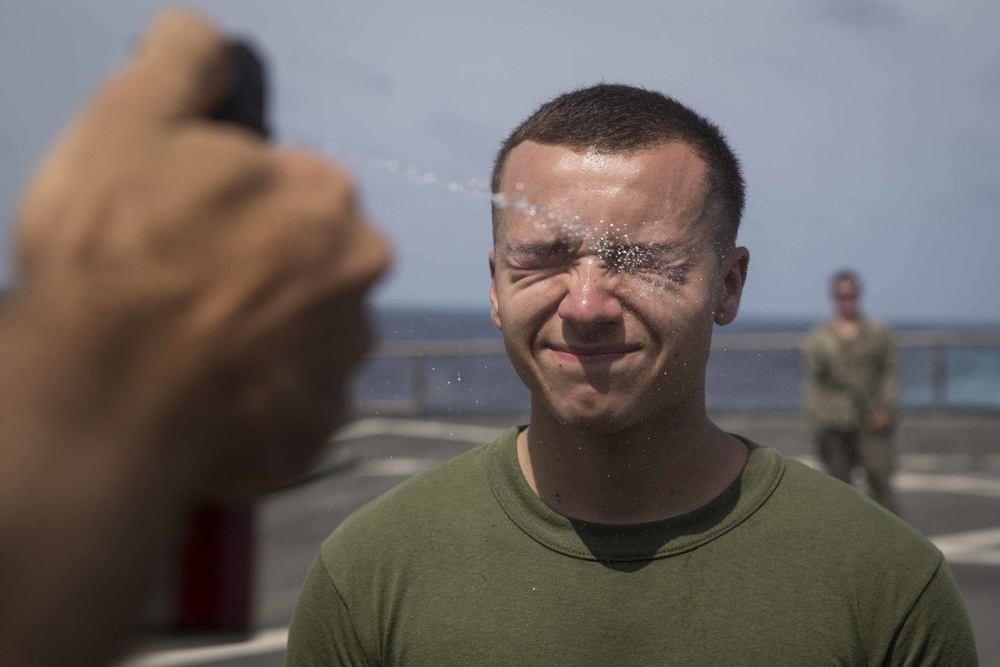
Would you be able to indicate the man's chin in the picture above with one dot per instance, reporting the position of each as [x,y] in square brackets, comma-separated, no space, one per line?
[595,420]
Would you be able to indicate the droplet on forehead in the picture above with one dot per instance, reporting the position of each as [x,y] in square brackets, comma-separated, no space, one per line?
[519,186]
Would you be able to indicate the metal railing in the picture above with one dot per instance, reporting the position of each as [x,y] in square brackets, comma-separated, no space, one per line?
[419,354]
[938,341]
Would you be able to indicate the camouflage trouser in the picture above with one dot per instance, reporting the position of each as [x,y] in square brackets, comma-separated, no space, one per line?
[842,451]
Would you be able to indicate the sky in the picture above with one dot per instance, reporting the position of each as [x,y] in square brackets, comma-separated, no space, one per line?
[869,130]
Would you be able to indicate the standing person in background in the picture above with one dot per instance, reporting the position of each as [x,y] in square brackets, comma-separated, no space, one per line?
[850,391]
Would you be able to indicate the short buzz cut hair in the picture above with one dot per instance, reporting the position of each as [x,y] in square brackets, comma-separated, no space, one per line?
[619,118]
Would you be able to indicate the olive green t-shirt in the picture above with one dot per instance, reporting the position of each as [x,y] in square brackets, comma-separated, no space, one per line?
[464,565]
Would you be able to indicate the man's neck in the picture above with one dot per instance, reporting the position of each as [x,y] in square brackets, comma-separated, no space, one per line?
[658,469]
[846,327]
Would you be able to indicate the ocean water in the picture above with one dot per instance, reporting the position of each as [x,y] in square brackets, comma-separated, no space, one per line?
[736,380]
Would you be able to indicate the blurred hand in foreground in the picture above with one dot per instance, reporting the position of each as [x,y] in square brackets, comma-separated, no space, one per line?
[191,304]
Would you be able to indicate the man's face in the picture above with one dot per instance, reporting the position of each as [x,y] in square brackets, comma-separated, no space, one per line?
[847,298]
[607,306]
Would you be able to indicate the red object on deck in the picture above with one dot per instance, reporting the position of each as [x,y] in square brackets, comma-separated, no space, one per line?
[216,571]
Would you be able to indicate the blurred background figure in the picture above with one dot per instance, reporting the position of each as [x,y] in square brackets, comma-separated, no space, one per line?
[851,389]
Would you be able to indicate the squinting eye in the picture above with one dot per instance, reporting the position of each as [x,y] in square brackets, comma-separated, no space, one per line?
[642,263]
[629,259]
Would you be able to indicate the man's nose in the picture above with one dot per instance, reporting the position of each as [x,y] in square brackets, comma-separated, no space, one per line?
[590,298]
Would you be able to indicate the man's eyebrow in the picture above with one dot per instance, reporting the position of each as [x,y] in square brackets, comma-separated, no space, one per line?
[553,247]
[653,247]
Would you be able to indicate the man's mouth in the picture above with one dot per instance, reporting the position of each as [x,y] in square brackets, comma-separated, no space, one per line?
[592,354]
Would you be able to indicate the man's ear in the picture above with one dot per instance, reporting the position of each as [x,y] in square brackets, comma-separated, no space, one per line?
[731,288]
[495,312]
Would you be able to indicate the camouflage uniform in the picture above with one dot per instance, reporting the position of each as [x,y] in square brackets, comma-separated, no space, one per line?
[846,381]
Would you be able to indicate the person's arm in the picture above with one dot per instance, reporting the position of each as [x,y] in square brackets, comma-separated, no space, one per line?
[936,631]
[191,303]
[887,388]
[86,491]
[322,632]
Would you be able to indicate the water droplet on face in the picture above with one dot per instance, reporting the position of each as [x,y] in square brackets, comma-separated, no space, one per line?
[585,289]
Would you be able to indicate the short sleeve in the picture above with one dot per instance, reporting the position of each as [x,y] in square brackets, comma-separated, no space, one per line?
[322,633]
[937,630]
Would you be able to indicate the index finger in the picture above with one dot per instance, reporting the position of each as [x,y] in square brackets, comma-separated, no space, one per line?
[182,69]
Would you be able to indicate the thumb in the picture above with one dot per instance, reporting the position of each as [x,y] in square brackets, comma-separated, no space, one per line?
[181,69]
